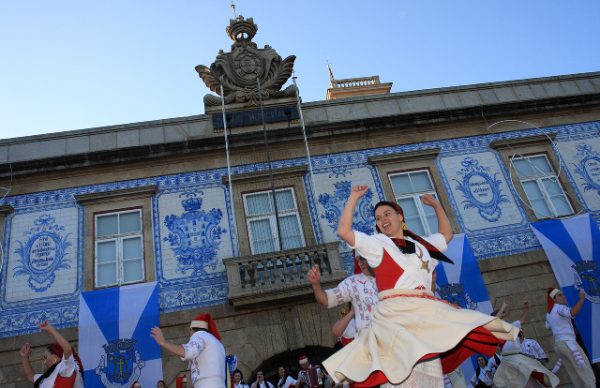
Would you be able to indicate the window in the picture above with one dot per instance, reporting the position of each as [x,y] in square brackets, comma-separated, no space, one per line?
[542,187]
[119,248]
[408,187]
[262,226]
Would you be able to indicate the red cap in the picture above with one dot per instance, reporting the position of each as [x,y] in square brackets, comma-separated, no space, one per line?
[303,359]
[550,298]
[357,269]
[205,321]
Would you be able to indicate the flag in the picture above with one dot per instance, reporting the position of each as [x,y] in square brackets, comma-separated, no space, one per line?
[573,249]
[461,283]
[114,336]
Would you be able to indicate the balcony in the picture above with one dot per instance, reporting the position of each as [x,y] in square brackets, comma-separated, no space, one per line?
[279,277]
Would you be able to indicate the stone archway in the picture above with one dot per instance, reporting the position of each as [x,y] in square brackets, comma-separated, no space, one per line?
[289,360]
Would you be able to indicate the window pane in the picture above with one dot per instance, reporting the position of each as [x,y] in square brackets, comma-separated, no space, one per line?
[130,222]
[262,236]
[536,199]
[258,204]
[106,274]
[421,181]
[540,208]
[411,215]
[541,167]
[561,205]
[290,232]
[132,248]
[431,218]
[552,186]
[107,225]
[106,252]
[401,184]
[523,167]
[132,270]
[285,200]
[532,190]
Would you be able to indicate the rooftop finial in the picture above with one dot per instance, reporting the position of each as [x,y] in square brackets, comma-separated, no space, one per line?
[233,9]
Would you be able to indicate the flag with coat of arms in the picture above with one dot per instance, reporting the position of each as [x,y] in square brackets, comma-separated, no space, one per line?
[462,284]
[573,249]
[114,336]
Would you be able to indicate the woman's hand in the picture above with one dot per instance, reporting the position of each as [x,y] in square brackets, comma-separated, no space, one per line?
[45,326]
[25,349]
[430,200]
[359,191]
[158,336]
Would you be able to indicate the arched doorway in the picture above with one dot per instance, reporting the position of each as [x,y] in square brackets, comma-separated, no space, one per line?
[289,360]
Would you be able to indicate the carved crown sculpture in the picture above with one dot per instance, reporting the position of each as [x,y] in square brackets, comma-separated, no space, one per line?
[238,70]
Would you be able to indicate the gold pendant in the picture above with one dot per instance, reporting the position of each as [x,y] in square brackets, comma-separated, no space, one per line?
[424,263]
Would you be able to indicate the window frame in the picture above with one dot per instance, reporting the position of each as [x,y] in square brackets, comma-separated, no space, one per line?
[271,217]
[416,196]
[119,247]
[538,180]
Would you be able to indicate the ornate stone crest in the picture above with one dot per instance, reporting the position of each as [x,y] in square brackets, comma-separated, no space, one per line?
[43,253]
[588,167]
[237,70]
[122,365]
[480,189]
[195,235]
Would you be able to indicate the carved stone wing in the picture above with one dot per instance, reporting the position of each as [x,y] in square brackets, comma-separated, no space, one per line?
[280,73]
[211,80]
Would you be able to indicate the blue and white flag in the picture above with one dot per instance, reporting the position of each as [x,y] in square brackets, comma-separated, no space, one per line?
[114,336]
[461,283]
[573,249]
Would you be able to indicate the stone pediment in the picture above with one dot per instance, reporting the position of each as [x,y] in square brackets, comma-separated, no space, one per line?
[237,71]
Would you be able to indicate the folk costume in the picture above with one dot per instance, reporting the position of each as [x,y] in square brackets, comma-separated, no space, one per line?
[573,357]
[286,382]
[411,330]
[205,354]
[532,348]
[516,369]
[311,377]
[359,289]
[66,373]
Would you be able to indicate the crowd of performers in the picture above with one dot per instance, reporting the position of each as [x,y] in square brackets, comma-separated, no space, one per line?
[397,332]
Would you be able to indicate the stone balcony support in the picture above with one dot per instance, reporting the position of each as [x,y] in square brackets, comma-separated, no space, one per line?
[280,276]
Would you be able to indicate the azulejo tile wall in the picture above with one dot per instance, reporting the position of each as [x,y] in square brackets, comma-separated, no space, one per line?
[193,225]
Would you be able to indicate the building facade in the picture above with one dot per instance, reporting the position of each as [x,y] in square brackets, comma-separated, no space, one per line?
[153,202]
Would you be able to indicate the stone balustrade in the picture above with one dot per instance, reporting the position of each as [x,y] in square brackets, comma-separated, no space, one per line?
[281,275]
[354,82]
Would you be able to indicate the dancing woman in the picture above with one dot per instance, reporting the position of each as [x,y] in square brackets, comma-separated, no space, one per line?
[414,337]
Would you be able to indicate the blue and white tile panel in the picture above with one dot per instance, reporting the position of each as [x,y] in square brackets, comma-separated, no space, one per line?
[194,230]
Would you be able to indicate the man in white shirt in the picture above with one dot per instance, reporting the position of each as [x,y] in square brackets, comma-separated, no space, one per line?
[359,289]
[204,352]
[560,320]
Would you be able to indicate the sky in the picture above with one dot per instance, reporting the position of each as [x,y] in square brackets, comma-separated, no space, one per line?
[77,64]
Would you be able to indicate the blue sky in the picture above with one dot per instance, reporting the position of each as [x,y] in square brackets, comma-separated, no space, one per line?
[75,64]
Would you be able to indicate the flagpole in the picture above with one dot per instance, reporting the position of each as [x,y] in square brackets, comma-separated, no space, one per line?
[310,169]
[231,201]
[268,155]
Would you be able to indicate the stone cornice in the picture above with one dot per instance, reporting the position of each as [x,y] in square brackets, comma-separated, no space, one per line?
[108,196]
[427,154]
[522,141]
[259,176]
